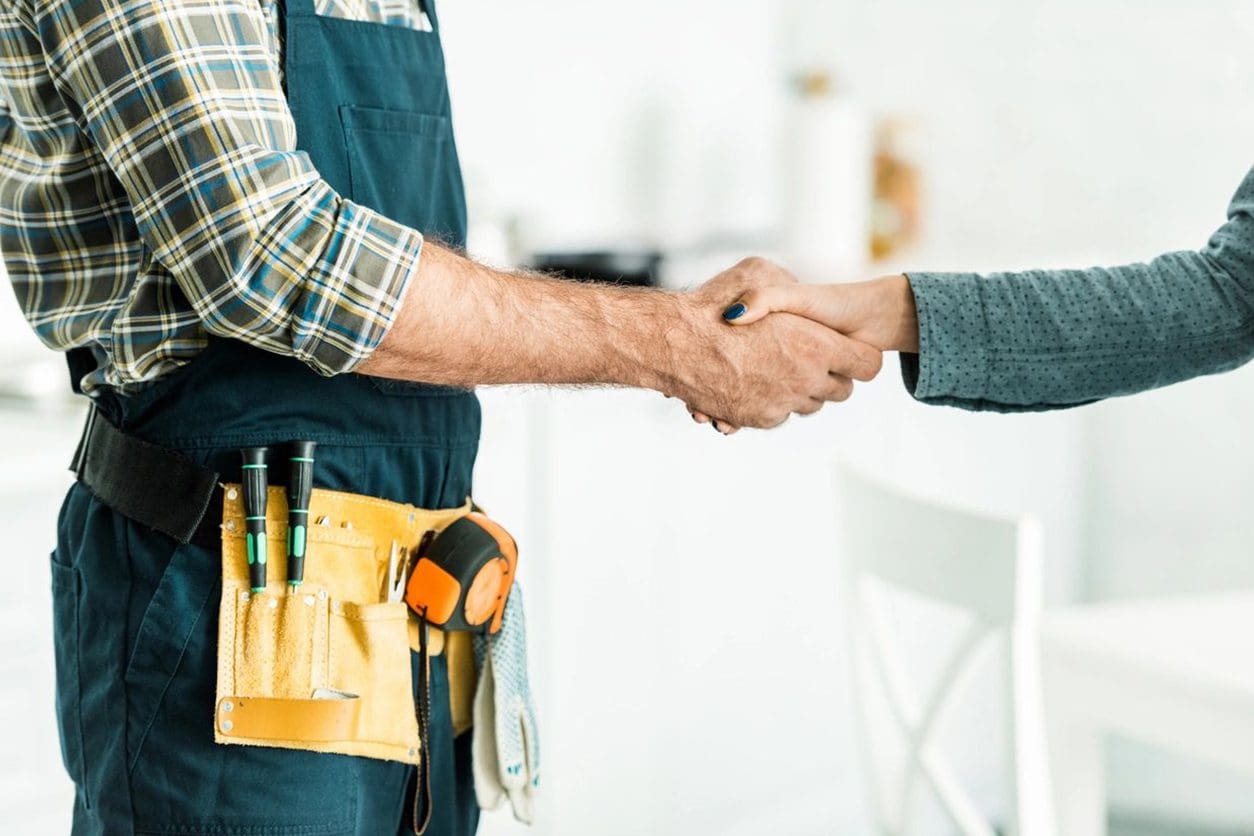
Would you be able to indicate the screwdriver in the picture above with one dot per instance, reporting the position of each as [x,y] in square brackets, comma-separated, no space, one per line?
[299,489]
[255,487]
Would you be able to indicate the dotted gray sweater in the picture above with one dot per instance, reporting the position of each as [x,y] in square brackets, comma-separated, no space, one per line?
[1050,339]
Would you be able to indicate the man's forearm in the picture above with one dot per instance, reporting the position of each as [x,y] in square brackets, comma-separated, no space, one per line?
[464,324]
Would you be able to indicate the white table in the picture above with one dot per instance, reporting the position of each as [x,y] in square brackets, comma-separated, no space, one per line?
[1177,673]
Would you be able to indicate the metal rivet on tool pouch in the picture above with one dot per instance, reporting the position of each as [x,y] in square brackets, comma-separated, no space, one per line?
[227,725]
[273,603]
[411,519]
[322,594]
[228,706]
[309,600]
[243,596]
[229,525]
[232,494]
[412,751]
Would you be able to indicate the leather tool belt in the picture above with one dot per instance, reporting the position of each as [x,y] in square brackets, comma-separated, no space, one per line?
[327,668]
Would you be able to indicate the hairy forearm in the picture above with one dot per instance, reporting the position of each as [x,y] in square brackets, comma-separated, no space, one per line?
[465,324]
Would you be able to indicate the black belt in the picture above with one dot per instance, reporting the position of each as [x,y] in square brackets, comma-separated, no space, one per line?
[156,487]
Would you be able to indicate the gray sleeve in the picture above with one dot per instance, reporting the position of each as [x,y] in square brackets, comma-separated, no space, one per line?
[1049,339]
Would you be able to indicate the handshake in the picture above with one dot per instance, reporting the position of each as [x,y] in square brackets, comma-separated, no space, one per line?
[747,349]
[760,346]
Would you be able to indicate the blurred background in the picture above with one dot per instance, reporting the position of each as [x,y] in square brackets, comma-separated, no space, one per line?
[690,666]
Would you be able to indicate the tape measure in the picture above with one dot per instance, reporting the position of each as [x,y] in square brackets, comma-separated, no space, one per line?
[462,579]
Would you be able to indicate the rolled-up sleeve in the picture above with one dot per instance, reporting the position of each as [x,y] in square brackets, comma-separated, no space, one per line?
[185,102]
[1050,339]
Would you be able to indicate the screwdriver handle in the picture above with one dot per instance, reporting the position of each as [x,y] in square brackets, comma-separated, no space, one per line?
[299,490]
[255,484]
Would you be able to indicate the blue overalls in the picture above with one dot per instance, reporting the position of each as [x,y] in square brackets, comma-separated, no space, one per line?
[135,611]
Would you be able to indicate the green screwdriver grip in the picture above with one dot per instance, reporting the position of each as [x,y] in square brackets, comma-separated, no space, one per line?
[255,486]
[299,491]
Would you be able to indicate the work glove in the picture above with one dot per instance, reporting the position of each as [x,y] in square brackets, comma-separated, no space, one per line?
[506,746]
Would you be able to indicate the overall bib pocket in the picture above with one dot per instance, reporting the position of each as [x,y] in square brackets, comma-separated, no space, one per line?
[403,164]
[66,638]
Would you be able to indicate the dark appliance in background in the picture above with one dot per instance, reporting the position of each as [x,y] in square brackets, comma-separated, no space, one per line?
[638,268]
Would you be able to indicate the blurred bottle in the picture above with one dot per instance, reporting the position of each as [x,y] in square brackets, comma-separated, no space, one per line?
[829,194]
[895,211]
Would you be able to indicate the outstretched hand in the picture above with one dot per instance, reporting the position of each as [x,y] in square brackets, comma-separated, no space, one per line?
[761,375]
[879,313]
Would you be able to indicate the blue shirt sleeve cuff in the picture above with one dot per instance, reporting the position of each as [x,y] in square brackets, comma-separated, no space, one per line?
[952,362]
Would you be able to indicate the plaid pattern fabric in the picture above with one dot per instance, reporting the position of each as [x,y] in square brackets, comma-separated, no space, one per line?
[392,12]
[151,193]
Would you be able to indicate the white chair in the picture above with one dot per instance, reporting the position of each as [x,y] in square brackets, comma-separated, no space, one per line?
[990,569]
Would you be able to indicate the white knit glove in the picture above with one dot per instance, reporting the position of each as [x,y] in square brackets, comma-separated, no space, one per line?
[506,751]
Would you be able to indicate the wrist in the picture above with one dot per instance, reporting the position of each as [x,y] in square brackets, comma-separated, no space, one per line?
[651,333]
[894,306]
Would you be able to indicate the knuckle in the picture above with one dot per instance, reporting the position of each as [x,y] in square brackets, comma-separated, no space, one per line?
[872,362]
[747,415]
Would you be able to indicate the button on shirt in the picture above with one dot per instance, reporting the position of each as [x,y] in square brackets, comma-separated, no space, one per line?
[151,193]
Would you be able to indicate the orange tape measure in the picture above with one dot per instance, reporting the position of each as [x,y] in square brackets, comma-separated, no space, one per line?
[462,580]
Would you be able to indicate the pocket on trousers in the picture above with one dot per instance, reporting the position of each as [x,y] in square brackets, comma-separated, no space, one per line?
[178,604]
[65,638]
[181,781]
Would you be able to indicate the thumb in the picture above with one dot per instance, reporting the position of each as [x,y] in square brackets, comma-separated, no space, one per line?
[757,303]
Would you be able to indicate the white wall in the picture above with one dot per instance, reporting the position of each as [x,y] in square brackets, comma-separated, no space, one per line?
[35,794]
[1055,133]
[610,122]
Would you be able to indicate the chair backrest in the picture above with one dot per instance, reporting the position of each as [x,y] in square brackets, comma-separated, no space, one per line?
[989,568]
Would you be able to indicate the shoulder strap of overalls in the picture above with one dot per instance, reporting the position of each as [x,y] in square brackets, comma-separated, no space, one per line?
[428,6]
[298,8]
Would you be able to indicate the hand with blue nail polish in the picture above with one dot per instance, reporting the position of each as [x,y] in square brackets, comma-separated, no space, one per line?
[880,312]
[784,365]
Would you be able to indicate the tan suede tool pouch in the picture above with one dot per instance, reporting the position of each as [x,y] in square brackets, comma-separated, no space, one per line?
[326,666]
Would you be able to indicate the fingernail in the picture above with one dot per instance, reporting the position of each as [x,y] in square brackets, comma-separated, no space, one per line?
[736,311]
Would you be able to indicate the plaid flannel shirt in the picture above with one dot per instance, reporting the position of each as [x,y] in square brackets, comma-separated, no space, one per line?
[151,193]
